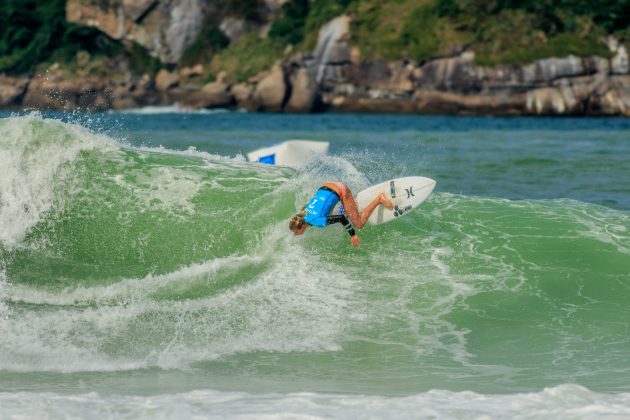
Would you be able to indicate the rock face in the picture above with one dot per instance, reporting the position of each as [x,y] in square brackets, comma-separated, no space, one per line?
[271,91]
[619,63]
[166,80]
[164,27]
[304,92]
[211,95]
[233,28]
[12,89]
[88,94]
[244,96]
[217,95]
[333,48]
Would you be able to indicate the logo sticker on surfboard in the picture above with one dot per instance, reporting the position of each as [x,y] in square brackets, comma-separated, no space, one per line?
[400,211]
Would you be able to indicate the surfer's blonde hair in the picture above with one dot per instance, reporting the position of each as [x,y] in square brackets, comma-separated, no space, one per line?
[296,222]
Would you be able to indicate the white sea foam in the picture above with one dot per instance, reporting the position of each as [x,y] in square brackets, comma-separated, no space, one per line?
[33,155]
[170,109]
[127,290]
[560,402]
[602,224]
[4,310]
[293,305]
[208,158]
[163,187]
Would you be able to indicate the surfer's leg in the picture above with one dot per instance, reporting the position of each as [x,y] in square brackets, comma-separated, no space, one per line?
[352,211]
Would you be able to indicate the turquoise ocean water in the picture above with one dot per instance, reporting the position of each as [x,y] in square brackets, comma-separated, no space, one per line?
[146,269]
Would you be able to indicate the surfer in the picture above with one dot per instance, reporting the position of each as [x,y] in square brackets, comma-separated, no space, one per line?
[317,211]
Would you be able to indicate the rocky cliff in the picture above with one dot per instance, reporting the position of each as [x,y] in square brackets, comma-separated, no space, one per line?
[567,85]
[165,28]
[333,76]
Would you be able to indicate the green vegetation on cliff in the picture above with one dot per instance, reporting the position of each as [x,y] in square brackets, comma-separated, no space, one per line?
[289,27]
[246,58]
[300,20]
[35,32]
[402,29]
[499,31]
[209,41]
[511,31]
[31,31]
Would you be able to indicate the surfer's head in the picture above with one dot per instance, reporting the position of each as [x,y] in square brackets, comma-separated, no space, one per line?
[297,225]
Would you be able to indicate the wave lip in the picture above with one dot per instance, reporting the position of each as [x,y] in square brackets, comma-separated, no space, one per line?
[34,152]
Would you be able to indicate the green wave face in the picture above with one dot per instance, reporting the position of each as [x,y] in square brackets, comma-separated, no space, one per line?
[115,258]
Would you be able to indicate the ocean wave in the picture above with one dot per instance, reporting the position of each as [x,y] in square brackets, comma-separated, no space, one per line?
[122,258]
[565,401]
[170,109]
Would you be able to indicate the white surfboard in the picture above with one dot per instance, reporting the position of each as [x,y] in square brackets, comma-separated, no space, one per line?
[406,194]
[295,153]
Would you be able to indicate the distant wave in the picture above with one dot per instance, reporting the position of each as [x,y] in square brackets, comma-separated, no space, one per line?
[565,401]
[170,109]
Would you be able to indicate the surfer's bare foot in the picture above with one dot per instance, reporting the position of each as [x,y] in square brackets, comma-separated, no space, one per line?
[385,201]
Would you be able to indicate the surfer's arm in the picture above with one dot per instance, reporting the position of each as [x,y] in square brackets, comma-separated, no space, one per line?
[341,218]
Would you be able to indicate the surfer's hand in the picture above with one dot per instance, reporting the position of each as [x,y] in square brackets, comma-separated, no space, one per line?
[355,241]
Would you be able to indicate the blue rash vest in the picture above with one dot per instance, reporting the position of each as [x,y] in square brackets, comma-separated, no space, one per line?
[319,207]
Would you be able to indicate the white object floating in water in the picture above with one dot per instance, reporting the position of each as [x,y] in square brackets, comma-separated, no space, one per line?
[296,153]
